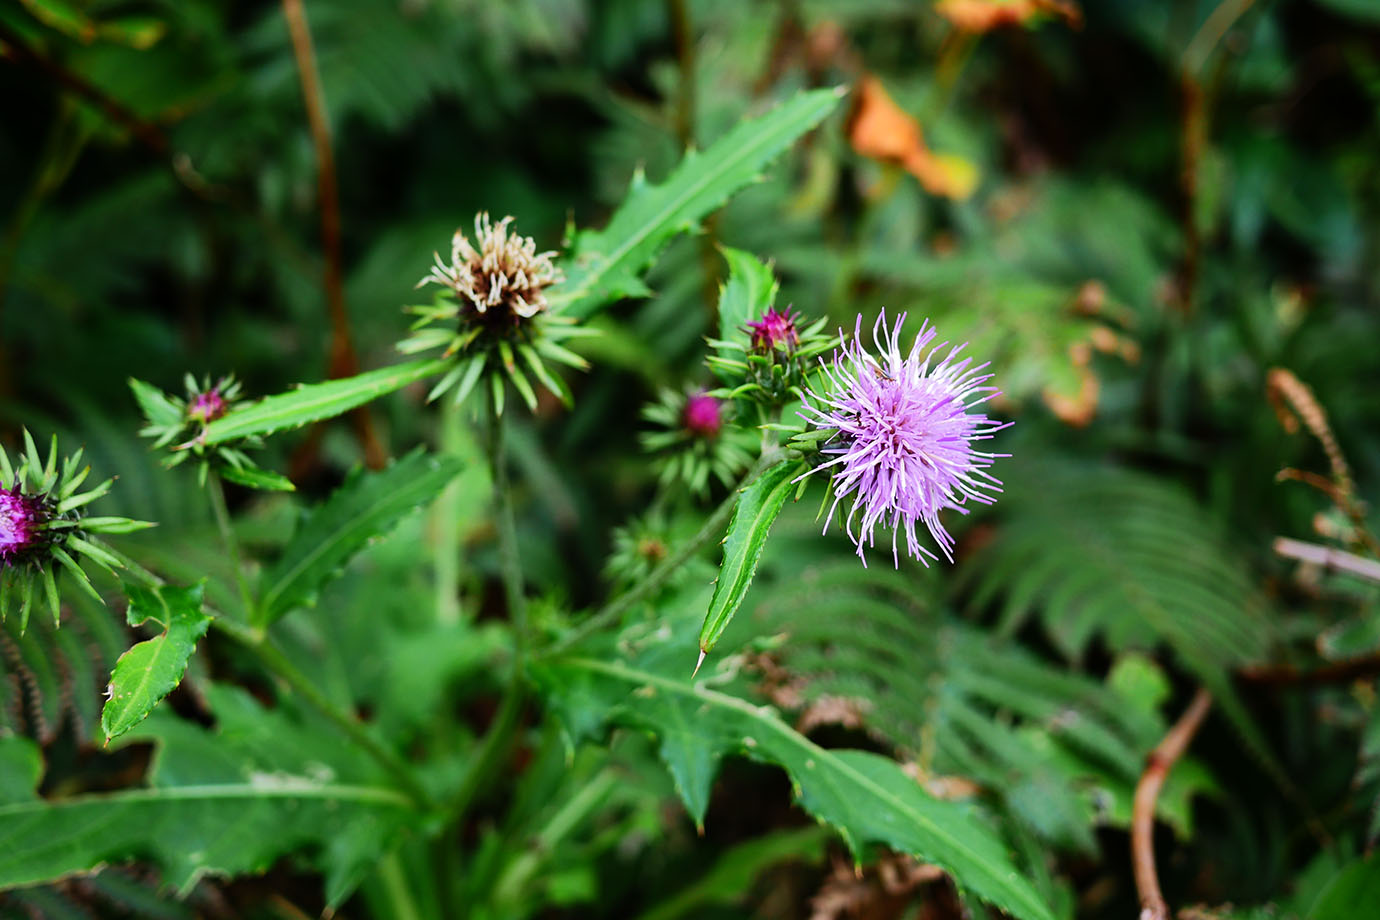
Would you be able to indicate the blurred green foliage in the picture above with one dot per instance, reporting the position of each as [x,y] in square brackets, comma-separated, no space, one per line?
[1171,200]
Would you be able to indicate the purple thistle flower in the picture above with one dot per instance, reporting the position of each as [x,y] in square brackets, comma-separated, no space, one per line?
[903,436]
[776,327]
[702,416]
[20,518]
[207,407]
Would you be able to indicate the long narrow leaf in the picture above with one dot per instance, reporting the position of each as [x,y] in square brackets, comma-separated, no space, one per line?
[606,265]
[757,508]
[316,401]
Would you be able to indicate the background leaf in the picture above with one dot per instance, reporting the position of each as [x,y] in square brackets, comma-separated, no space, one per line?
[606,265]
[363,509]
[229,801]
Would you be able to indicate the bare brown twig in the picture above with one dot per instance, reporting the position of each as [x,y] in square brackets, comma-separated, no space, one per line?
[343,361]
[1157,767]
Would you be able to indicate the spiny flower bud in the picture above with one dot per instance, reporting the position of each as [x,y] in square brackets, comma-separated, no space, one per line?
[44,528]
[207,407]
[181,423]
[702,416]
[695,438]
[775,329]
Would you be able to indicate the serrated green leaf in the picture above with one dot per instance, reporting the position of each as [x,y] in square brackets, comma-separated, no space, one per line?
[152,669]
[225,802]
[366,507]
[157,407]
[751,289]
[316,401]
[606,265]
[865,797]
[753,514]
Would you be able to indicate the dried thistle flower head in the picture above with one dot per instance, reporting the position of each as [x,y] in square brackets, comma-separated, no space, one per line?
[492,315]
[504,279]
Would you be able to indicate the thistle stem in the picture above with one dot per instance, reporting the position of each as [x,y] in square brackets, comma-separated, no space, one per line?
[713,527]
[499,738]
[445,533]
[232,544]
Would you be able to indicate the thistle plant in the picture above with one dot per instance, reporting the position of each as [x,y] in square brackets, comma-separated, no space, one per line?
[491,315]
[178,425]
[769,360]
[44,529]
[898,432]
[695,438]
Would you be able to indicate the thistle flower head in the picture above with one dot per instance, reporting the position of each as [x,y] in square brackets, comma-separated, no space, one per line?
[44,528]
[493,317]
[695,437]
[503,280]
[901,433]
[21,519]
[775,329]
[180,423]
[702,415]
[208,406]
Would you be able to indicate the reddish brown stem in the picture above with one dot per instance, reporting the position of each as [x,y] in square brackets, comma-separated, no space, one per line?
[343,361]
[147,133]
[1338,672]
[1157,767]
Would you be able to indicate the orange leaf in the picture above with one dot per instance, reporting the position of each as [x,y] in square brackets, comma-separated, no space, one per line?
[880,129]
[986,15]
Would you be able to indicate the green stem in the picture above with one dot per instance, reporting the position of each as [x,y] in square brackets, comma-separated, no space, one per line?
[396,889]
[713,527]
[282,667]
[232,544]
[445,532]
[499,738]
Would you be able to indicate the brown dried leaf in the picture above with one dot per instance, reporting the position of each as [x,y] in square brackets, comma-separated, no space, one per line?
[1075,406]
[880,129]
[986,15]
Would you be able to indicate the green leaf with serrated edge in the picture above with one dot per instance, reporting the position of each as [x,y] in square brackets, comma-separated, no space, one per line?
[753,514]
[865,797]
[157,407]
[233,800]
[363,509]
[152,669]
[751,288]
[605,265]
[316,401]
[252,477]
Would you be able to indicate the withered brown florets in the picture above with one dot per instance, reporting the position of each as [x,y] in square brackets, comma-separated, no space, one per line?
[500,283]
